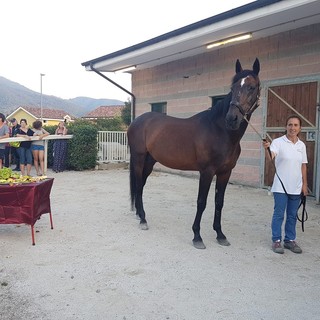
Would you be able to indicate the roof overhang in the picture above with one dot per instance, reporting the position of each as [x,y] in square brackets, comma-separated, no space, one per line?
[261,18]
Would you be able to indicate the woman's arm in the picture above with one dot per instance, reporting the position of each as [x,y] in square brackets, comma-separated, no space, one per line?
[44,134]
[266,145]
[304,179]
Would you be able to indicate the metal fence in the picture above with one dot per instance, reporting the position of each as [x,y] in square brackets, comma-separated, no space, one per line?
[113,147]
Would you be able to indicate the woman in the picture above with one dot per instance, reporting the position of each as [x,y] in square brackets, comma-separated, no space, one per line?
[38,146]
[4,133]
[291,167]
[60,149]
[24,150]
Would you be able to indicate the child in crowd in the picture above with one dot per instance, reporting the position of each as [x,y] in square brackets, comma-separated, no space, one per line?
[38,147]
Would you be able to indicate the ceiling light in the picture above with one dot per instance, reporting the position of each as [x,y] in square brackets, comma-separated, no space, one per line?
[126,69]
[229,40]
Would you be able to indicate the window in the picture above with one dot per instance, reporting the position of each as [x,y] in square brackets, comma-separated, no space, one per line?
[160,107]
[216,99]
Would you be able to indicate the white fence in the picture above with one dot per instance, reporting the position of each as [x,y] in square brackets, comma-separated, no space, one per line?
[113,147]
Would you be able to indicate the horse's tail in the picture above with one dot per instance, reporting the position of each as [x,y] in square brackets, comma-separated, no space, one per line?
[132,183]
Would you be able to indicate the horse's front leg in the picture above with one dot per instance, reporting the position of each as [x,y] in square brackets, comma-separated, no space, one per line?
[221,184]
[204,187]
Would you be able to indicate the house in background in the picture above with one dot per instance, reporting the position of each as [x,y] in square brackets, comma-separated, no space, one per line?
[104,112]
[50,117]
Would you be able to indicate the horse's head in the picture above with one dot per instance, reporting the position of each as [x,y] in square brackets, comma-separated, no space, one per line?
[245,91]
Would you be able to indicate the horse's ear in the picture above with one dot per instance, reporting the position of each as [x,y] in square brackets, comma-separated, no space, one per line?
[238,66]
[256,66]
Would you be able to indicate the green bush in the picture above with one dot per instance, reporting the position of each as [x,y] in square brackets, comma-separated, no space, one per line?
[82,148]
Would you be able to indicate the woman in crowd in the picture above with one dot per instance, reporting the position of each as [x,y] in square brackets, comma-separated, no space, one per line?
[60,149]
[24,150]
[4,133]
[38,147]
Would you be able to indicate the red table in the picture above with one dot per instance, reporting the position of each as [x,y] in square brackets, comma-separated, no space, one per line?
[25,203]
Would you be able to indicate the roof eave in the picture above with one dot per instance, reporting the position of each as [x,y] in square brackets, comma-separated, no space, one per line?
[269,16]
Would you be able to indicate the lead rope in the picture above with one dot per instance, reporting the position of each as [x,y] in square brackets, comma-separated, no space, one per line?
[303,198]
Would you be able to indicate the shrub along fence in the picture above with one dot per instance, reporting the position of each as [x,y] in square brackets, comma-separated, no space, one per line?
[82,148]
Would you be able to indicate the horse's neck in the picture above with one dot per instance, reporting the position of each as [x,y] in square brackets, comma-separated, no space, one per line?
[236,135]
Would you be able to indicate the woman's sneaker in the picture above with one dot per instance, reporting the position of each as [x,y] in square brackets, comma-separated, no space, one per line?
[277,247]
[293,246]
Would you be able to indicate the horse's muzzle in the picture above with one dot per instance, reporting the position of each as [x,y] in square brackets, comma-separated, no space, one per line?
[233,118]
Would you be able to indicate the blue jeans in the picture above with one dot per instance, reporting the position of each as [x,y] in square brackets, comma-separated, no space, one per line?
[25,155]
[282,203]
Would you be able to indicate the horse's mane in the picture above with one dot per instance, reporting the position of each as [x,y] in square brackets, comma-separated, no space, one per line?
[221,107]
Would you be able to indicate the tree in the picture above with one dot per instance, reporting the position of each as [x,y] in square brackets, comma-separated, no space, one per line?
[126,113]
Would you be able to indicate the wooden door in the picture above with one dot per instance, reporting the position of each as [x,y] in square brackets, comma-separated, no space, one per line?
[291,99]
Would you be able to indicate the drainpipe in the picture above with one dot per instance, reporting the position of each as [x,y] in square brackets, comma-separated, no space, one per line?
[133,103]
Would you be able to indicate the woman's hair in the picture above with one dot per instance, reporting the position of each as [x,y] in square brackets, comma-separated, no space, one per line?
[2,116]
[25,120]
[37,124]
[294,116]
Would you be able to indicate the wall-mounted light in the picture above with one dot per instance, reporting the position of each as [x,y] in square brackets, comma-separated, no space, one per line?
[229,40]
[126,69]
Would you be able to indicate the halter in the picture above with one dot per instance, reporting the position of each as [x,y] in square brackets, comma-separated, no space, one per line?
[251,109]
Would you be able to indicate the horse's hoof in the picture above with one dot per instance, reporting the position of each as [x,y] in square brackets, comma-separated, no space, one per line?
[198,244]
[144,226]
[223,242]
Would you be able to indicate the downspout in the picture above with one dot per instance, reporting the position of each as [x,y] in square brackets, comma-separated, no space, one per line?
[133,104]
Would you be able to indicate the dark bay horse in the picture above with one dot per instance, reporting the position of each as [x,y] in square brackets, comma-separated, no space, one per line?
[208,142]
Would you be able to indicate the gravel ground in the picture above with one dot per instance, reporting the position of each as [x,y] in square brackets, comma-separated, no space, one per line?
[97,264]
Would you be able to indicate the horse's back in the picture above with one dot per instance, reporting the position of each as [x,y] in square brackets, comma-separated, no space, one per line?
[169,140]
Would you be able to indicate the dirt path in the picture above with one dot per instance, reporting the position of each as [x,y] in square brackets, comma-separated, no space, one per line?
[97,264]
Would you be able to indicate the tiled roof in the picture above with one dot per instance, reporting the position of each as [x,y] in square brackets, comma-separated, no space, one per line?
[47,113]
[105,112]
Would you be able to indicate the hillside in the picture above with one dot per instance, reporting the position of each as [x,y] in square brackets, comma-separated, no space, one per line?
[14,95]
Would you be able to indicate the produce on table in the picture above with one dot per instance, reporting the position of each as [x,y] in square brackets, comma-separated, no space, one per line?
[7,176]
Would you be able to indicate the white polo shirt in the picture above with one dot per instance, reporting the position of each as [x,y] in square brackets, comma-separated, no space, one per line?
[289,158]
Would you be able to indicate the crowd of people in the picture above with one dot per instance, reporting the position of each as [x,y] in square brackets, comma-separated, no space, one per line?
[27,152]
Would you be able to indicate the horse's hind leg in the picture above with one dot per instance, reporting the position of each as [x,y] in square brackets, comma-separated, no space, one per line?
[221,184]
[142,167]
[204,187]
[147,169]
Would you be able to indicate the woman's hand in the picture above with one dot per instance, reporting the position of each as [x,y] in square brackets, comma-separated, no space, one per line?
[265,143]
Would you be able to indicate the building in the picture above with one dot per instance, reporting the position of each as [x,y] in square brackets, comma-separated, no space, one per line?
[50,117]
[104,112]
[184,71]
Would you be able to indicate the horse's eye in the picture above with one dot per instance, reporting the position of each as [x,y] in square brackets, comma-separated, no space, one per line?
[251,88]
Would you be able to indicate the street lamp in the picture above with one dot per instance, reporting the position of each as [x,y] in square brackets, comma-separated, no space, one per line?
[41,75]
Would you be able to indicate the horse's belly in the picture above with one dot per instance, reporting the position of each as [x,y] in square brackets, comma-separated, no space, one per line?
[176,159]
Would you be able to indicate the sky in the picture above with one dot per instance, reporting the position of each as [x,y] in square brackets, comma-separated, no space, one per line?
[54,37]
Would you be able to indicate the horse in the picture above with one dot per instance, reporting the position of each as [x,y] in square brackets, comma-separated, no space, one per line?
[208,142]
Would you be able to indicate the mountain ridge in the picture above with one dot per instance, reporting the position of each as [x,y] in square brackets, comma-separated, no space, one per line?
[14,95]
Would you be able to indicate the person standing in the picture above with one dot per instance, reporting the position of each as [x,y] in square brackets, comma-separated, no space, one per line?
[38,147]
[7,150]
[14,151]
[24,150]
[291,167]
[4,133]
[60,149]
